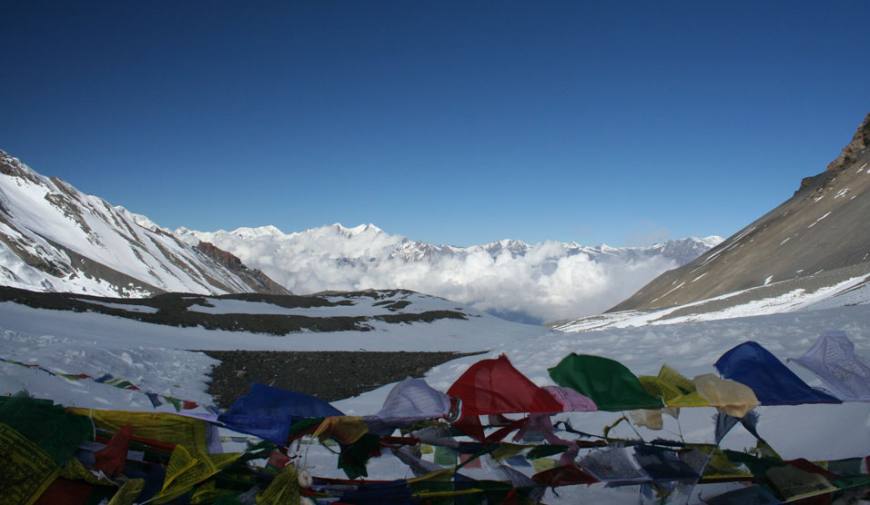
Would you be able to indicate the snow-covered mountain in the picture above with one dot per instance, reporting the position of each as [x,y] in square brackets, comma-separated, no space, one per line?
[56,238]
[530,282]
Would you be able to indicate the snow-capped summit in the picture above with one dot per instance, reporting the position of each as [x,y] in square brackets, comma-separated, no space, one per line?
[55,238]
[259,231]
[357,230]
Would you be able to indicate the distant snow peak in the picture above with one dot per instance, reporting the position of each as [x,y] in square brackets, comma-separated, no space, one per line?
[543,281]
[259,231]
[711,240]
[141,220]
[356,230]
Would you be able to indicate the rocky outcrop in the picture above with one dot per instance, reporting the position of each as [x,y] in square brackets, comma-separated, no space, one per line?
[854,149]
[258,281]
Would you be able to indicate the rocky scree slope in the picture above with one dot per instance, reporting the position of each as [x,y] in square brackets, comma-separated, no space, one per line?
[818,237]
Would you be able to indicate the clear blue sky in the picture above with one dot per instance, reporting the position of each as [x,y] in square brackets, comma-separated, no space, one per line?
[451,122]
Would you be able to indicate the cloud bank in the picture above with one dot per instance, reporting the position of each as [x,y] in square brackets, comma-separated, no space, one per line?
[533,283]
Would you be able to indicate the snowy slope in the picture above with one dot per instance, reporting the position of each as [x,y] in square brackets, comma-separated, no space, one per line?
[55,238]
[155,356]
[159,357]
[765,300]
[532,282]
[382,325]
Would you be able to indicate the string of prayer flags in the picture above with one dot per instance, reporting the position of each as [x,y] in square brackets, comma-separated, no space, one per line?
[116,382]
[159,458]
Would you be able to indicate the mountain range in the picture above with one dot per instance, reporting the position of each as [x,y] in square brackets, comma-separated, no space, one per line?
[55,238]
[511,278]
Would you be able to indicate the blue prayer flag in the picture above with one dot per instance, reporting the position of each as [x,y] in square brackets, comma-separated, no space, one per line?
[268,412]
[772,381]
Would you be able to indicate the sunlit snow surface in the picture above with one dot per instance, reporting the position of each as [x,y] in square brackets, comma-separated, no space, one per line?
[44,217]
[852,291]
[156,357]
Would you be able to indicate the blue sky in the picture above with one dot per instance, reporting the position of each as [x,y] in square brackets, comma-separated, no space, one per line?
[450,122]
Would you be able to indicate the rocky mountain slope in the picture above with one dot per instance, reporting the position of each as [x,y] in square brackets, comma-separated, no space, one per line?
[56,238]
[511,278]
[818,238]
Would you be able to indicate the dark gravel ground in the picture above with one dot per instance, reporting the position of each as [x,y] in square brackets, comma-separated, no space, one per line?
[172,310]
[330,375]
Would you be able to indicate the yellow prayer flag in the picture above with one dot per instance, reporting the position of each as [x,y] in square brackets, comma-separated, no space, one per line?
[344,429]
[162,426]
[128,492]
[733,398]
[27,470]
[185,470]
[283,490]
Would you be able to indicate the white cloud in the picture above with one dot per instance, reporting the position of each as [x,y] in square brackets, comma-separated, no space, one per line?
[544,282]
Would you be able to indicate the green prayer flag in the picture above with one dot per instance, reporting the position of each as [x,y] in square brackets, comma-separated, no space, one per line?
[608,383]
[353,457]
[48,425]
[174,401]
[542,451]
[445,456]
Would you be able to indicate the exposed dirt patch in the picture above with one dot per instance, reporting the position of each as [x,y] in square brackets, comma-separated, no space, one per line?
[424,317]
[287,301]
[397,305]
[375,294]
[330,375]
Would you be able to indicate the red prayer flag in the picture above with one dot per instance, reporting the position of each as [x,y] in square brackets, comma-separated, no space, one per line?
[66,492]
[494,386]
[111,458]
[567,475]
